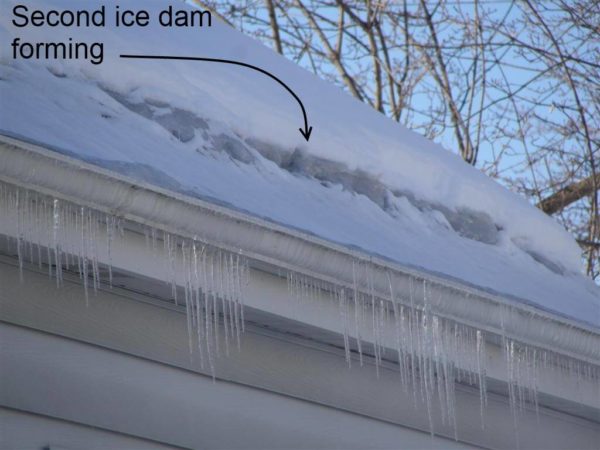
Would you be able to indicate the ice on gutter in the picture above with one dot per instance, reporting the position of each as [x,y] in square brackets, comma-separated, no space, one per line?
[55,208]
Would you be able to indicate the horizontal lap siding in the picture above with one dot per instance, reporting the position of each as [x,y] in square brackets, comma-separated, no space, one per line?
[137,378]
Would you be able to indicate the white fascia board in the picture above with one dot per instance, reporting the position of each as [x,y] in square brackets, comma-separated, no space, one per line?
[271,245]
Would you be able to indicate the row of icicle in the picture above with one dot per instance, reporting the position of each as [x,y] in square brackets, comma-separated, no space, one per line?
[431,353]
[67,238]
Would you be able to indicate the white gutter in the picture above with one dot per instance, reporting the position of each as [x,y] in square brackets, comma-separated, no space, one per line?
[33,167]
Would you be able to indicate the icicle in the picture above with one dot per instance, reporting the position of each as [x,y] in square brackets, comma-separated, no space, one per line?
[512,385]
[398,328]
[433,353]
[482,376]
[55,231]
[170,247]
[84,262]
[357,313]
[19,236]
[187,296]
[223,296]
[110,228]
[344,313]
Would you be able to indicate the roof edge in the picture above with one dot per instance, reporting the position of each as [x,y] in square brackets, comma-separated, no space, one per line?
[44,170]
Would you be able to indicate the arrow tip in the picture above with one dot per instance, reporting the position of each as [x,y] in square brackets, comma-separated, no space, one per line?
[306,133]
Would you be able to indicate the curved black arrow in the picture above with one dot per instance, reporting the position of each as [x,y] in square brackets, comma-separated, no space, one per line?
[305,132]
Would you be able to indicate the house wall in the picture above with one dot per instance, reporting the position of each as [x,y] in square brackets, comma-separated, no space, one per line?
[24,430]
[122,363]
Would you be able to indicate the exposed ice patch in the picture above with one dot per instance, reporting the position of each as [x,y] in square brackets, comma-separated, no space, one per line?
[185,126]
[233,146]
[470,224]
[207,135]
[553,266]
[180,123]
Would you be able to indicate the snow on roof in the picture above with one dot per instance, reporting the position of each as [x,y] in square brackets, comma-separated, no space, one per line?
[230,135]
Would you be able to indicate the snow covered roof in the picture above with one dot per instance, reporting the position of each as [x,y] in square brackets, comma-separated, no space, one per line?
[230,135]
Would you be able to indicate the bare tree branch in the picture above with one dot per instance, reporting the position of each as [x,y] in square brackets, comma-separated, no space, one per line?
[571,193]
